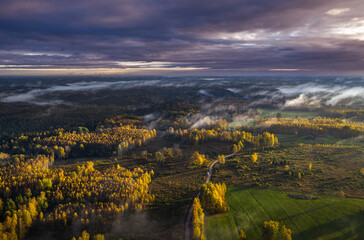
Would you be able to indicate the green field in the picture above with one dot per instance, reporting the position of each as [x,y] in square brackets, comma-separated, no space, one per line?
[293,138]
[271,113]
[324,218]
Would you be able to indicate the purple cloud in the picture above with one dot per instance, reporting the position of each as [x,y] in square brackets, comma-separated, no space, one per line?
[212,36]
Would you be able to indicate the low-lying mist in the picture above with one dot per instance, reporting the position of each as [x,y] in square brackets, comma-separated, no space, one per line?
[283,93]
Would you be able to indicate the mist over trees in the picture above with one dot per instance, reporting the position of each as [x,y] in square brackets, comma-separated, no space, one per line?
[86,166]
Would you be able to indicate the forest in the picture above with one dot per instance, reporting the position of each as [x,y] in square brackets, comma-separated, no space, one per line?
[172,163]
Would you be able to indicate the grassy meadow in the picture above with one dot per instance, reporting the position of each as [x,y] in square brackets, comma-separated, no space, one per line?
[324,218]
[272,113]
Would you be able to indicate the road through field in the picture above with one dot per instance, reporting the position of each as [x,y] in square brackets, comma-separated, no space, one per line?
[189,214]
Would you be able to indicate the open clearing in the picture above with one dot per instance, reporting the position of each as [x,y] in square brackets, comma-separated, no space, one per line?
[324,218]
[271,113]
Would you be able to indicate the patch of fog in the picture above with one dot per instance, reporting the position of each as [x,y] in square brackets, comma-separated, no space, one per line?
[151,116]
[201,122]
[139,225]
[23,97]
[269,122]
[235,116]
[358,139]
[50,102]
[222,108]
[262,101]
[211,79]
[234,90]
[32,95]
[307,88]
[311,94]
[151,120]
[242,120]
[303,100]
[204,92]
[355,92]
[263,93]
[206,107]
[315,95]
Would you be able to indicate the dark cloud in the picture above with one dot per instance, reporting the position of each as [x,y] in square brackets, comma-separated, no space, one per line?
[249,35]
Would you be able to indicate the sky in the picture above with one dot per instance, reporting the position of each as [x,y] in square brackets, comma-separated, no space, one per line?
[181,37]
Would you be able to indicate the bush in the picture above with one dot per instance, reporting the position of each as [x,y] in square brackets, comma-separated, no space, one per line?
[198,159]
[272,230]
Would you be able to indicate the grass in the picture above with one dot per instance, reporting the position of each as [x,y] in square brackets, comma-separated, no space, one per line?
[271,113]
[291,138]
[324,218]
[334,169]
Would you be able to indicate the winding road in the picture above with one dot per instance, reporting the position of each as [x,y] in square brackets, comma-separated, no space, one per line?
[189,214]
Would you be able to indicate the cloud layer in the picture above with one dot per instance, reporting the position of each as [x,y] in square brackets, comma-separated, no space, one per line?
[208,36]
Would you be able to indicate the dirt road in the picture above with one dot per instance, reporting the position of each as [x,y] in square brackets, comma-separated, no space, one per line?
[189,214]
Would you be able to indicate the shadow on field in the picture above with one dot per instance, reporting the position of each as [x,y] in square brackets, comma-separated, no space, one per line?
[306,212]
[352,227]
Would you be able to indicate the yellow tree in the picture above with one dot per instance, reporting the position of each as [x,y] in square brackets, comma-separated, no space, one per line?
[285,233]
[84,236]
[221,159]
[213,197]
[254,157]
[198,159]
[159,157]
[99,237]
[242,235]
[235,148]
[270,230]
[197,221]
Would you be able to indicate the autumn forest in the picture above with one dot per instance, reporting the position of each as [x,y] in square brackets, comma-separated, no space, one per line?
[168,161]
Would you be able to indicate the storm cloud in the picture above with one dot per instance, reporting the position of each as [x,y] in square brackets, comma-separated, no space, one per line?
[202,37]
